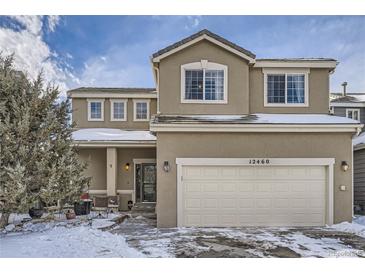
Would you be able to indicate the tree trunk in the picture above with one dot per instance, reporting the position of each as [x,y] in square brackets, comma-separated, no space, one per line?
[4,220]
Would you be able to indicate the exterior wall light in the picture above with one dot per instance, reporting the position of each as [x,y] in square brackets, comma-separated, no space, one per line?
[344,166]
[166,166]
[126,167]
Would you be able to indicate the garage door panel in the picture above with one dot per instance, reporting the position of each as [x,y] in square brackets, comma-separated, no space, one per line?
[253,196]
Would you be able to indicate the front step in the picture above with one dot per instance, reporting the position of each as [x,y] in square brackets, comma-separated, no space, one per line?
[147,210]
[144,207]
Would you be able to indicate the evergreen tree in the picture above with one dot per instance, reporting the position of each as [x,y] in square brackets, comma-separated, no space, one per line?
[37,159]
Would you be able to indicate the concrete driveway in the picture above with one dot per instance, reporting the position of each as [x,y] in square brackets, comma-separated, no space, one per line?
[248,242]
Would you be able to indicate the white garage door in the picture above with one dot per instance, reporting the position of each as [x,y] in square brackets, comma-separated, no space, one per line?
[252,196]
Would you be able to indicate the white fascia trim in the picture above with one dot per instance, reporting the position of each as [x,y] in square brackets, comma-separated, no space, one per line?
[89,101]
[135,101]
[112,95]
[253,128]
[125,191]
[92,144]
[327,162]
[358,147]
[347,105]
[287,71]
[125,102]
[204,64]
[210,39]
[293,64]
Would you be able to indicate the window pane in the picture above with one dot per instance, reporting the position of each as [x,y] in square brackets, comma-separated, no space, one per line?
[276,88]
[95,110]
[214,85]
[118,110]
[295,89]
[141,110]
[194,84]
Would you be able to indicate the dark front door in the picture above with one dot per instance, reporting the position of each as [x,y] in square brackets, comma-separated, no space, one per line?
[146,182]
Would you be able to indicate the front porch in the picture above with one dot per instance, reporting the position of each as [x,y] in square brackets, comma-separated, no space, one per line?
[120,163]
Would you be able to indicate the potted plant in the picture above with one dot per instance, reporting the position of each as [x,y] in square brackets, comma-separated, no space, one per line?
[37,210]
[70,215]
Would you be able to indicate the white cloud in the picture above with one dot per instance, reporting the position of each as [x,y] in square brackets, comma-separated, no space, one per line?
[32,54]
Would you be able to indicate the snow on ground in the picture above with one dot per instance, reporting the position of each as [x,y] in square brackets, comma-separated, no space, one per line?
[60,238]
[356,227]
[63,242]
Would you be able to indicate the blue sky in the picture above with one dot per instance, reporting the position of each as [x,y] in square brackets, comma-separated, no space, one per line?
[114,51]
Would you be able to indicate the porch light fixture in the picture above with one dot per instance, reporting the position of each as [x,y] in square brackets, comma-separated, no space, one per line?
[166,166]
[126,167]
[344,165]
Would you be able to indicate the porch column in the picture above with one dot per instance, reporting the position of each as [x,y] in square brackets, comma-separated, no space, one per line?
[111,171]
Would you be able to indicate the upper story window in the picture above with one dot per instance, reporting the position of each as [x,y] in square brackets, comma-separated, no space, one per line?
[203,82]
[96,110]
[118,110]
[286,88]
[353,113]
[141,110]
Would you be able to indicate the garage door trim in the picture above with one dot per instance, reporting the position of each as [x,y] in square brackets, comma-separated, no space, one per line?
[327,162]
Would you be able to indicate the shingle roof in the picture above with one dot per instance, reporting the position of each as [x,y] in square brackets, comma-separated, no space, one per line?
[116,90]
[352,98]
[200,33]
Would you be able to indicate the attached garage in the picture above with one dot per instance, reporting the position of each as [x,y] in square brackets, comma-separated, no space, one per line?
[222,192]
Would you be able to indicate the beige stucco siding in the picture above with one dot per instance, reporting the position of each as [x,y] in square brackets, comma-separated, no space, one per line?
[96,166]
[245,145]
[318,93]
[80,115]
[125,179]
[170,81]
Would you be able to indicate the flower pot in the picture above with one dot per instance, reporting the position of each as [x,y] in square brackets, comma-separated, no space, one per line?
[70,215]
[35,213]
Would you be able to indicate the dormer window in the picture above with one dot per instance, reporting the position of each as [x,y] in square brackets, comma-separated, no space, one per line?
[286,88]
[96,110]
[204,82]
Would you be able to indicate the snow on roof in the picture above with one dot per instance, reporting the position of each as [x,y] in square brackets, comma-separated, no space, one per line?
[350,98]
[111,134]
[257,119]
[358,140]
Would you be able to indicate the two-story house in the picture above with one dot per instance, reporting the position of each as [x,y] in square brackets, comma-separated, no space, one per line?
[352,105]
[232,140]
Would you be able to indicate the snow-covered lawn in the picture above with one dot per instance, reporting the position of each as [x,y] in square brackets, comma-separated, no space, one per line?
[138,237]
[66,239]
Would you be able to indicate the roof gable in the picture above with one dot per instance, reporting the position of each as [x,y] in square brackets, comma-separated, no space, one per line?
[201,35]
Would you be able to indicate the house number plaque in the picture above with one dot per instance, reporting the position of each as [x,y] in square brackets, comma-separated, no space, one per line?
[259,161]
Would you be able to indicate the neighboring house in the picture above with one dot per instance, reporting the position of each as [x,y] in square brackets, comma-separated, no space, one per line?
[232,140]
[352,105]
[359,173]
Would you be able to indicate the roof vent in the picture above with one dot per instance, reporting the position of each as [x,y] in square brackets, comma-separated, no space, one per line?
[344,85]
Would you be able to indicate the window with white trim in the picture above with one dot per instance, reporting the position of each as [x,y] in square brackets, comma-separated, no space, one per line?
[203,82]
[141,110]
[96,110]
[118,110]
[286,88]
[353,113]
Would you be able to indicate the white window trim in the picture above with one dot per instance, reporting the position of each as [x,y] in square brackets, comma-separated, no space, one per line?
[286,72]
[89,101]
[204,64]
[353,110]
[327,162]
[112,101]
[135,110]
